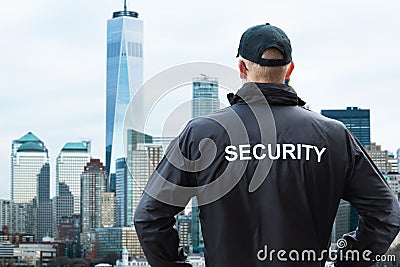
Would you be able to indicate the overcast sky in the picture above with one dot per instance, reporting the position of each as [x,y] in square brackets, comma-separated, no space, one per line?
[53,59]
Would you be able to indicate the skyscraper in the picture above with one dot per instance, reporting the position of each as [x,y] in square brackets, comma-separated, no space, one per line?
[124,77]
[205,100]
[43,211]
[28,156]
[142,163]
[127,188]
[70,164]
[356,120]
[123,194]
[63,206]
[93,185]
[205,96]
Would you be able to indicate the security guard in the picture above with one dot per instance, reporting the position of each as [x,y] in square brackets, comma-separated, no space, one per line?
[285,215]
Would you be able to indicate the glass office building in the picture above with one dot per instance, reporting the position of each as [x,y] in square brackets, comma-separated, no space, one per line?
[356,120]
[70,164]
[28,156]
[130,177]
[124,77]
[123,195]
[205,98]
[105,242]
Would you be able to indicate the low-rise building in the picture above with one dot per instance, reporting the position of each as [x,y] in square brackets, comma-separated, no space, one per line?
[35,254]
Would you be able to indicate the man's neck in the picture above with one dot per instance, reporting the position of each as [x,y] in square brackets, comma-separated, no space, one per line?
[276,81]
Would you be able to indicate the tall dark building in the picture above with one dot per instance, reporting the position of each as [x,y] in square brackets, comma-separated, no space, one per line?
[44,210]
[69,232]
[63,206]
[93,184]
[356,120]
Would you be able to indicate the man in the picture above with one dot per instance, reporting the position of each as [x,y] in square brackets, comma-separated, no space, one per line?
[284,216]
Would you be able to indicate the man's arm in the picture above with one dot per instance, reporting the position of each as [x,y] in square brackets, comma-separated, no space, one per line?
[155,220]
[154,223]
[379,211]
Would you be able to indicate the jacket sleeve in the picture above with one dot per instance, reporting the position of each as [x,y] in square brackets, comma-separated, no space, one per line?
[155,221]
[378,209]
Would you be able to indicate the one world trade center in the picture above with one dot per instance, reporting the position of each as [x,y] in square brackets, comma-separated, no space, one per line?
[124,77]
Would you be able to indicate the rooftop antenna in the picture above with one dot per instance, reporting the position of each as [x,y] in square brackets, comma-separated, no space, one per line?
[125,12]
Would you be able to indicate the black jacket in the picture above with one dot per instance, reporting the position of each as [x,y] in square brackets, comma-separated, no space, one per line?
[295,206]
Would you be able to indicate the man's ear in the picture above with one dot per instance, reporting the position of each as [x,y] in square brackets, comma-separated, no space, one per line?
[289,71]
[242,69]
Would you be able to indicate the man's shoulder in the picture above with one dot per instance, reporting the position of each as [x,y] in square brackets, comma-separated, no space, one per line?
[322,120]
[213,125]
[212,120]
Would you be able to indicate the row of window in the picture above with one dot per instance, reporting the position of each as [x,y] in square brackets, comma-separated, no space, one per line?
[133,50]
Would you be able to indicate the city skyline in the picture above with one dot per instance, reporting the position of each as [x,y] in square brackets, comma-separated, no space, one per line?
[76,37]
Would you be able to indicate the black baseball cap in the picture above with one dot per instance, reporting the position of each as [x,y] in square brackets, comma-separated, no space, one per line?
[257,39]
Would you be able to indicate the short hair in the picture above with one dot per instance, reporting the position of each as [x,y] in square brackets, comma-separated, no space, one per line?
[267,73]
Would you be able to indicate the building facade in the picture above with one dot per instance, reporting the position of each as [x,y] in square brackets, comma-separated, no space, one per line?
[110,241]
[123,195]
[184,228]
[13,216]
[70,164]
[379,157]
[43,223]
[36,255]
[93,185]
[131,174]
[63,206]
[107,209]
[28,156]
[124,77]
[393,179]
[69,233]
[142,162]
[393,163]
[356,120]
[398,160]
[205,98]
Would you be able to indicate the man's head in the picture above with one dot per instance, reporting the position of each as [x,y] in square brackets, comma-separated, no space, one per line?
[265,54]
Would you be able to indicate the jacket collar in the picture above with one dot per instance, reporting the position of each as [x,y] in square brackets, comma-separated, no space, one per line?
[275,94]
